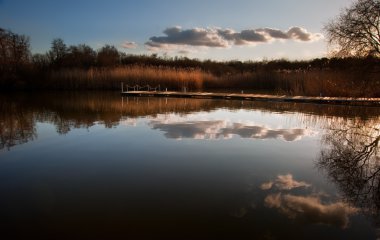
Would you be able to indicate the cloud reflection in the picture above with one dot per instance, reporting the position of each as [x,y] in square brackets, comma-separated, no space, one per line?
[284,182]
[191,129]
[311,209]
[260,132]
[128,122]
[217,129]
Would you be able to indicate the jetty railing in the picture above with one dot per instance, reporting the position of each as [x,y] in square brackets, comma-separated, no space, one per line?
[137,87]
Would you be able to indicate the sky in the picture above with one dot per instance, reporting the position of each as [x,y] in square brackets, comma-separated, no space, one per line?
[204,29]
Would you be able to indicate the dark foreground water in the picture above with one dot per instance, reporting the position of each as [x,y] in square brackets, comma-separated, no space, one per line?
[99,166]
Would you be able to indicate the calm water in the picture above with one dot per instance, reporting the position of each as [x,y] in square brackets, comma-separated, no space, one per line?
[100,166]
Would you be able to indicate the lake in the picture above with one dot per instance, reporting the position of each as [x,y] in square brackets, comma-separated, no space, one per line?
[101,166]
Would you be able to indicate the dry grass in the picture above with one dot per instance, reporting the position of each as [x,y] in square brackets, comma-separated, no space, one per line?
[171,78]
[308,83]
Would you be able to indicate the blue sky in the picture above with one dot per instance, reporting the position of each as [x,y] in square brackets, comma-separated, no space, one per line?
[205,29]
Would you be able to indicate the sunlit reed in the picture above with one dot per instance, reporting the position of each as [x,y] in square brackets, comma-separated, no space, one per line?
[307,83]
[110,78]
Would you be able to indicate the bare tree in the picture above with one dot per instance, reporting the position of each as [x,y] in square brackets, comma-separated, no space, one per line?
[14,54]
[108,56]
[356,31]
[80,56]
[58,51]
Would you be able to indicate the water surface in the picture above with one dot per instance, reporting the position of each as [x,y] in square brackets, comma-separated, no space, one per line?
[96,166]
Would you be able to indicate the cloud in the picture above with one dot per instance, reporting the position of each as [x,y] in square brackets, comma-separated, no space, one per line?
[259,132]
[244,37]
[284,182]
[193,37]
[274,33]
[263,35]
[217,37]
[302,34]
[129,45]
[190,129]
[311,209]
[128,122]
[273,200]
[183,52]
[266,185]
[216,129]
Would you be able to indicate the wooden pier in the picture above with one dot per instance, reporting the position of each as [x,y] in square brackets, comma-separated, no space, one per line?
[258,97]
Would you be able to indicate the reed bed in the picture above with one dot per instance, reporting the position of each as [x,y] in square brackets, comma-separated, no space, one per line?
[105,78]
[308,83]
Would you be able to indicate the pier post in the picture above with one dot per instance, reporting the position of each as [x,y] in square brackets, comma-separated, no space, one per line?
[122,87]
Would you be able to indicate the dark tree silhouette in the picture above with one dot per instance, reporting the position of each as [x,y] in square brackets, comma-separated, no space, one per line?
[14,59]
[41,61]
[356,31]
[81,56]
[351,157]
[57,52]
[14,50]
[108,56]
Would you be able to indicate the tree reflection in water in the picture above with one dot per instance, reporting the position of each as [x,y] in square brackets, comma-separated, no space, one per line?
[350,155]
[17,125]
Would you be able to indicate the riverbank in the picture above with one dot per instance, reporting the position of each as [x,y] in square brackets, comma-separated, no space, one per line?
[258,97]
[79,67]
[305,82]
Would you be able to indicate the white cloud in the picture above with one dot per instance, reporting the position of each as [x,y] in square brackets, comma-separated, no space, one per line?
[220,129]
[193,37]
[129,45]
[183,52]
[259,132]
[311,209]
[190,129]
[223,38]
[302,34]
[284,182]
[266,185]
[129,122]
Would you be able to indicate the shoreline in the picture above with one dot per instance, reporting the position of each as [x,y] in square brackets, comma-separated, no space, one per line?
[258,97]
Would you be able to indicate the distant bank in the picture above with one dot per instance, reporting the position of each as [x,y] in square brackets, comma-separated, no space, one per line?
[258,97]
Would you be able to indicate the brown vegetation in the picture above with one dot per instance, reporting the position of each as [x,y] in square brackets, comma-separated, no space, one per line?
[81,68]
[312,82]
[19,113]
[307,83]
[110,78]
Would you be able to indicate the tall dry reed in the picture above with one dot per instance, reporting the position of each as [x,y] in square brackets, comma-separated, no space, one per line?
[307,83]
[301,82]
[105,78]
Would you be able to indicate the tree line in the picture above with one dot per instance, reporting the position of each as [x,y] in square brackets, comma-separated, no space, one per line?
[353,36]
[18,63]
